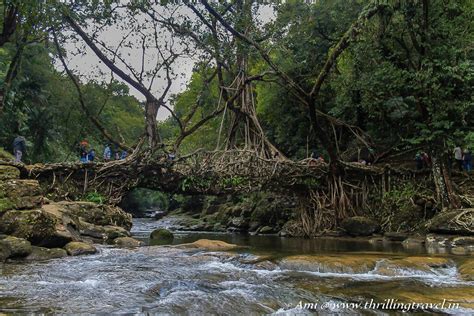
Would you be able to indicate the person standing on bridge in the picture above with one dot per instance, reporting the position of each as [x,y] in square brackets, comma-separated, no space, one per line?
[107,153]
[467,158]
[91,155]
[83,150]
[458,157]
[19,148]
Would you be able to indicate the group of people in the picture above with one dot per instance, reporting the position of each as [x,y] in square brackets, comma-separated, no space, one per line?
[463,159]
[422,160]
[89,155]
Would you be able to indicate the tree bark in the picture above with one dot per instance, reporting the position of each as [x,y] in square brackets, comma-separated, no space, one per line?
[151,111]
[443,184]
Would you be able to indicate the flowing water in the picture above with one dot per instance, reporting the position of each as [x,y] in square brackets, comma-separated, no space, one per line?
[272,275]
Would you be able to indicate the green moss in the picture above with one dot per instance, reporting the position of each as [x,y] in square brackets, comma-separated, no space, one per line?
[9,172]
[5,155]
[6,204]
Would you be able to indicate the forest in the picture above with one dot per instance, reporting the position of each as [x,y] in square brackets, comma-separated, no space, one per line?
[383,83]
[236,157]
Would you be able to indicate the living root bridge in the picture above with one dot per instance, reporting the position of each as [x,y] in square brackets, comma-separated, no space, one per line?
[212,173]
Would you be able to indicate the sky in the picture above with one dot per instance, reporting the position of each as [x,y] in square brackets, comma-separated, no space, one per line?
[87,64]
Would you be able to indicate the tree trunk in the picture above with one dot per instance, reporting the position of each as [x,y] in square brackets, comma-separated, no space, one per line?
[151,111]
[444,189]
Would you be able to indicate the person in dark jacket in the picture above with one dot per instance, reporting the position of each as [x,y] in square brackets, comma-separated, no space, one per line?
[91,155]
[19,148]
[467,159]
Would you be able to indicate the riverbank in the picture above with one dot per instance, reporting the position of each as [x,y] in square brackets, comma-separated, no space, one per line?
[34,228]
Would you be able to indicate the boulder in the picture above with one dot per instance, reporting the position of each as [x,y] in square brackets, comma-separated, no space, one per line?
[76,248]
[5,155]
[9,172]
[37,226]
[161,236]
[127,242]
[240,223]
[93,213]
[266,230]
[211,245]
[101,233]
[40,253]
[360,226]
[20,194]
[455,222]
[19,247]
[113,232]
[4,252]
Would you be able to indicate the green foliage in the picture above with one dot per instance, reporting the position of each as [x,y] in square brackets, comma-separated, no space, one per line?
[233,181]
[195,182]
[94,197]
[43,107]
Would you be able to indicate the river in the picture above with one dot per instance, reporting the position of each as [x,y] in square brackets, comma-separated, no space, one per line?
[272,276]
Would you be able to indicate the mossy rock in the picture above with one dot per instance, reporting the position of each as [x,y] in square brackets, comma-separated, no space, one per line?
[93,213]
[37,226]
[33,224]
[5,155]
[113,232]
[40,254]
[77,248]
[360,226]
[127,242]
[19,194]
[19,247]
[161,236]
[5,252]
[9,172]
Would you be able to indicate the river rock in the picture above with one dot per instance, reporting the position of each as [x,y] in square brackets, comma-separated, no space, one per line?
[4,252]
[210,245]
[41,253]
[113,232]
[392,267]
[19,247]
[127,242]
[37,226]
[161,236]
[433,240]
[330,264]
[466,270]
[266,230]
[455,222]
[93,213]
[238,223]
[9,172]
[76,248]
[360,226]
[20,194]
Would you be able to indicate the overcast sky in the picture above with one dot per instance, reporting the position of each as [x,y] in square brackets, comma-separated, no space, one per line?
[90,67]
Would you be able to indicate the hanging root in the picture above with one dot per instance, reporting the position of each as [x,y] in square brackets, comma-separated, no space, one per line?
[466,220]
